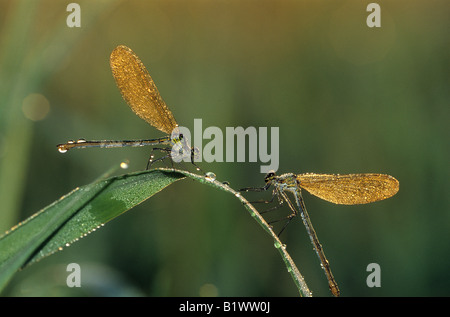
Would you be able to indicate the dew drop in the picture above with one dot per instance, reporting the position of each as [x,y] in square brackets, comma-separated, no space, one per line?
[124,165]
[81,141]
[62,149]
[210,176]
[279,245]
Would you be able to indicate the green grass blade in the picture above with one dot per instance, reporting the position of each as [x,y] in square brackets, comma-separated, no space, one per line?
[296,276]
[88,207]
[75,215]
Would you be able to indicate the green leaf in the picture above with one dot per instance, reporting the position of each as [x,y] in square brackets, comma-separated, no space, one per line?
[87,208]
[76,215]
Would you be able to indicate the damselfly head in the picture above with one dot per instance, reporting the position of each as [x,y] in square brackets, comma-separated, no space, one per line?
[269,176]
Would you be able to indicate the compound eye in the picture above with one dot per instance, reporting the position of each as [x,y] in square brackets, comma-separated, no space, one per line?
[269,176]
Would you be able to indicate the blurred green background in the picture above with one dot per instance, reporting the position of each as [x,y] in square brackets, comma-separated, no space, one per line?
[347,99]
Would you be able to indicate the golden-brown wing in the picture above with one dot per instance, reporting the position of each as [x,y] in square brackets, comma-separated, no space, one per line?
[350,189]
[139,90]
